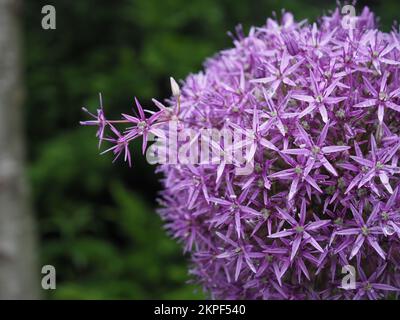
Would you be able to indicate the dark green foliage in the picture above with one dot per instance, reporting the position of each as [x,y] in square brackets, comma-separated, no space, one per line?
[97,220]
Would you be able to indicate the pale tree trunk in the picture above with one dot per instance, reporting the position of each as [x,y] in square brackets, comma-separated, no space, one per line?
[18,272]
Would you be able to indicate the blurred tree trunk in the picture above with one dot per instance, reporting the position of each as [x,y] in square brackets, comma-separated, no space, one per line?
[18,272]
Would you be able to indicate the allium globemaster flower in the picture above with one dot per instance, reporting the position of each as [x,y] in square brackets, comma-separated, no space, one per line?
[382,99]
[319,107]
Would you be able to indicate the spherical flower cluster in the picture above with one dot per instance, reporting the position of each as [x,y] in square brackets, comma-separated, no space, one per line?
[323,105]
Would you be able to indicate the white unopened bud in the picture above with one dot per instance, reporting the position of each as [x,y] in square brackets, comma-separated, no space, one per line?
[176,92]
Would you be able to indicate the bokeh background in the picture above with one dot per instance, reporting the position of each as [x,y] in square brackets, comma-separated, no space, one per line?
[96,221]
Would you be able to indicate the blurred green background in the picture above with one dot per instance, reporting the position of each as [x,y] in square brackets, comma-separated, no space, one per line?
[97,220]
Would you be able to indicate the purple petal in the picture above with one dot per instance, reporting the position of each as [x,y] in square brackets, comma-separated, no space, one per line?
[295,247]
[374,244]
[281,234]
[332,149]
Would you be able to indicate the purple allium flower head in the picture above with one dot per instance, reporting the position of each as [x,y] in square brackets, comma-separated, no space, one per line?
[319,106]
